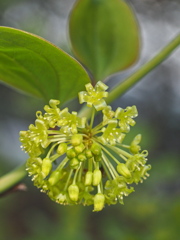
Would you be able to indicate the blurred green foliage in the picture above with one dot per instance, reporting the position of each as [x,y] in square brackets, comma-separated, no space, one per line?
[152,212]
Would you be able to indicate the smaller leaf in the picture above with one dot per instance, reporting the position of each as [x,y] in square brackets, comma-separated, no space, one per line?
[37,67]
[104,35]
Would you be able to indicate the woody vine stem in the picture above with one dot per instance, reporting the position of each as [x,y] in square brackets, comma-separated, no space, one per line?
[12,178]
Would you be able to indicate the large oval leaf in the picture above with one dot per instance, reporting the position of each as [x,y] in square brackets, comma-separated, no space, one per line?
[37,67]
[104,35]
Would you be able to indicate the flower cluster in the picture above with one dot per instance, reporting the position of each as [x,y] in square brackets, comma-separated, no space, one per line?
[75,162]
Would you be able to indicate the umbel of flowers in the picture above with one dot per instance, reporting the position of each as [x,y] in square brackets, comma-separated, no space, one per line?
[75,162]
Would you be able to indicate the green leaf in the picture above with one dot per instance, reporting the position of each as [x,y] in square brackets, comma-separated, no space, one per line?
[37,67]
[104,35]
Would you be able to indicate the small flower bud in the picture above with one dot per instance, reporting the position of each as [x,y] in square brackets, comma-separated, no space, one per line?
[53,103]
[96,149]
[88,153]
[88,178]
[123,170]
[74,128]
[99,201]
[81,157]
[73,191]
[97,176]
[71,153]
[62,148]
[46,167]
[76,139]
[55,177]
[79,148]
[74,163]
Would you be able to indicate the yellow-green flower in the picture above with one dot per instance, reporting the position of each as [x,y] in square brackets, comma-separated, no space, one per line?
[94,96]
[75,162]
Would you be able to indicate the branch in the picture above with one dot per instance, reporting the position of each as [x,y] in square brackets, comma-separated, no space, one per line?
[12,178]
[143,70]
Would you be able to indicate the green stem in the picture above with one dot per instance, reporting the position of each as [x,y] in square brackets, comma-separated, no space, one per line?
[99,189]
[62,164]
[76,173]
[90,165]
[110,167]
[92,117]
[119,151]
[110,155]
[106,169]
[67,182]
[143,70]
[12,178]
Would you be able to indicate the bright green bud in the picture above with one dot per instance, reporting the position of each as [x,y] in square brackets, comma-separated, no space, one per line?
[71,153]
[99,201]
[73,191]
[96,149]
[76,139]
[55,177]
[79,148]
[74,163]
[88,178]
[62,148]
[97,176]
[88,153]
[53,103]
[123,170]
[82,157]
[46,167]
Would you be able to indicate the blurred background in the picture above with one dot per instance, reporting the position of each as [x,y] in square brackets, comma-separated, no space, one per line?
[153,211]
